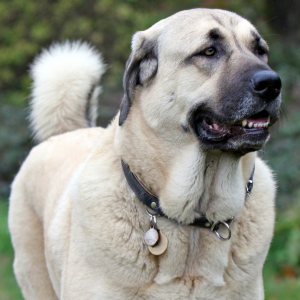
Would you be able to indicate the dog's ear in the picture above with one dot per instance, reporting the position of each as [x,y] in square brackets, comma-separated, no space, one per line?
[140,68]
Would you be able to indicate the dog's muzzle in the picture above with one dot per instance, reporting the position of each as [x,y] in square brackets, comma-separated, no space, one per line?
[241,119]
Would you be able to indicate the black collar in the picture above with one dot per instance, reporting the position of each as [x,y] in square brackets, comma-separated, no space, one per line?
[152,202]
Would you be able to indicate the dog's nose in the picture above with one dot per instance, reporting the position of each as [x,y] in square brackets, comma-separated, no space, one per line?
[266,84]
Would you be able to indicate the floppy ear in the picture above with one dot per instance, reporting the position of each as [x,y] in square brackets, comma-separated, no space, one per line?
[140,68]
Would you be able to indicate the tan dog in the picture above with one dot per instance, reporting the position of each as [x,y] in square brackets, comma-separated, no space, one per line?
[199,97]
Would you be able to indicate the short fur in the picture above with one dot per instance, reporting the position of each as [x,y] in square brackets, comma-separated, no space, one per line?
[77,228]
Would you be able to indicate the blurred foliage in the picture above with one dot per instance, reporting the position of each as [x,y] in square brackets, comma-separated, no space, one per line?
[282,153]
[27,26]
[282,267]
[15,143]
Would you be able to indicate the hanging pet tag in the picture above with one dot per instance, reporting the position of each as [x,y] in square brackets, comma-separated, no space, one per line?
[151,237]
[161,246]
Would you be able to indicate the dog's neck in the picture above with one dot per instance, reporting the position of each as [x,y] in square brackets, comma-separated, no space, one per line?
[210,184]
[187,181]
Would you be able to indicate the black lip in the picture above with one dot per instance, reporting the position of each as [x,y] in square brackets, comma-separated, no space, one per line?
[235,132]
[225,131]
[236,138]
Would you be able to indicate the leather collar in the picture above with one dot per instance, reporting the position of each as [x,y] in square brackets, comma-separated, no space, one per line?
[152,202]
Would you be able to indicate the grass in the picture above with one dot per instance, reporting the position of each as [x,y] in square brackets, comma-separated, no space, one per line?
[279,287]
[281,278]
[9,289]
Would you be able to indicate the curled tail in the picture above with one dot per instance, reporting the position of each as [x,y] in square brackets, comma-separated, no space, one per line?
[65,89]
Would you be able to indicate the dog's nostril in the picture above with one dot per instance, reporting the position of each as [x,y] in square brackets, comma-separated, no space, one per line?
[267,84]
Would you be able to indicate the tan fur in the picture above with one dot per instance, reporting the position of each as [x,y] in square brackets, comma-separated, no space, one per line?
[77,227]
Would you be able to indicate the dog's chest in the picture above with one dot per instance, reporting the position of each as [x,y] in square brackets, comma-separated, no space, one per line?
[198,271]
[189,266]
[203,270]
[195,265]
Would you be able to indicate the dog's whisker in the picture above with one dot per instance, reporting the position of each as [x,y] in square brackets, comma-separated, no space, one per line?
[269,20]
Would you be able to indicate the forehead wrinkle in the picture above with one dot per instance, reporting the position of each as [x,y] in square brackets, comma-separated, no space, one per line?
[217,19]
[236,41]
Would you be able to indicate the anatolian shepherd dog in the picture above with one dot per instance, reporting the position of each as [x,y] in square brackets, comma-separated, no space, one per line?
[143,209]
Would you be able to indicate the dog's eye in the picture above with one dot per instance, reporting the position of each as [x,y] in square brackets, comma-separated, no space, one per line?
[261,51]
[209,51]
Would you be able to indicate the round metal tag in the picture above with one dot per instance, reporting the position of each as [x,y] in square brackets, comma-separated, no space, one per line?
[151,237]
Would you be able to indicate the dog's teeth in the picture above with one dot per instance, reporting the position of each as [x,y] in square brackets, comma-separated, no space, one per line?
[254,125]
[244,123]
[250,124]
[210,127]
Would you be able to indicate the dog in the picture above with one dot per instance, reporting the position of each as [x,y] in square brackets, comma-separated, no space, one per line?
[171,200]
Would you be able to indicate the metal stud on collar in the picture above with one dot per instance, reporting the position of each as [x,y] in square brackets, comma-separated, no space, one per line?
[153,204]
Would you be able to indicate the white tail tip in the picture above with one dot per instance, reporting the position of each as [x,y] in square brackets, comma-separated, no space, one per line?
[65,89]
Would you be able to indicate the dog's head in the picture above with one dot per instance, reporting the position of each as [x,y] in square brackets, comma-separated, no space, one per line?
[204,73]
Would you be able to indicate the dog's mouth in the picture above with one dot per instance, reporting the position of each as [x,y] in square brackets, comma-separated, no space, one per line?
[255,124]
[248,134]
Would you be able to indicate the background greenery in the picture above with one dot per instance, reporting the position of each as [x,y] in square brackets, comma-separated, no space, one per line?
[27,26]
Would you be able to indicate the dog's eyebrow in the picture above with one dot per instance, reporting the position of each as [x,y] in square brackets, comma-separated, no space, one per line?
[258,40]
[256,36]
[215,34]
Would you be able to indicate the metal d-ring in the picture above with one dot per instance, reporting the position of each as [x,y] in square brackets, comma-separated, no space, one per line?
[217,233]
[153,222]
[249,187]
